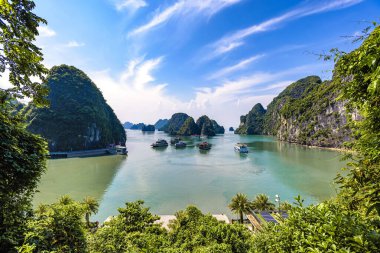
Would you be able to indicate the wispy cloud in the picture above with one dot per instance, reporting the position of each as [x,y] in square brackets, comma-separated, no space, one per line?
[238,66]
[45,31]
[74,43]
[135,94]
[184,8]
[131,5]
[236,39]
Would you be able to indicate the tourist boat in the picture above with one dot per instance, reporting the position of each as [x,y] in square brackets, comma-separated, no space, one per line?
[175,140]
[241,148]
[160,143]
[204,146]
[180,144]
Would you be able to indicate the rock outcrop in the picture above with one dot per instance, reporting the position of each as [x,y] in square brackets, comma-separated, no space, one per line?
[189,128]
[161,123]
[253,122]
[78,117]
[306,112]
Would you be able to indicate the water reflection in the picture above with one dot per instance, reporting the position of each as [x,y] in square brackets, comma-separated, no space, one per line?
[77,177]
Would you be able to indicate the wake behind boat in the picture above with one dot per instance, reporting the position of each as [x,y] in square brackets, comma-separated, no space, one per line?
[241,148]
[160,143]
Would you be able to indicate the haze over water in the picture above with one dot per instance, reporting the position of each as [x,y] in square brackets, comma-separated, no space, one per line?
[170,179]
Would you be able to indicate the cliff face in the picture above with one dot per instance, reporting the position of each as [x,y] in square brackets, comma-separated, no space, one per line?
[189,128]
[183,124]
[161,123]
[253,122]
[175,123]
[306,112]
[78,117]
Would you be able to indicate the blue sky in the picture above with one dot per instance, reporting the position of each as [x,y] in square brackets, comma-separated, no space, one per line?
[216,57]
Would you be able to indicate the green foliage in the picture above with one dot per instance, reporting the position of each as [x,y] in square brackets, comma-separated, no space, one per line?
[218,129]
[240,205]
[253,122]
[19,55]
[133,230]
[90,206]
[359,75]
[79,117]
[196,232]
[189,128]
[326,227]
[56,228]
[22,162]
[262,203]
[175,123]
[206,126]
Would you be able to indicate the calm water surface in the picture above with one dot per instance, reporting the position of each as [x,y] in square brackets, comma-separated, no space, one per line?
[170,179]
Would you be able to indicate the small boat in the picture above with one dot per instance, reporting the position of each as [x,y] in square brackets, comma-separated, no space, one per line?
[160,143]
[121,150]
[204,146]
[241,148]
[175,140]
[180,144]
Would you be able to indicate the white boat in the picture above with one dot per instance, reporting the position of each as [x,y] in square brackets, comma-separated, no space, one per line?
[241,148]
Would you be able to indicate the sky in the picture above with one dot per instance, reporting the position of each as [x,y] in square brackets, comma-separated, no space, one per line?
[153,58]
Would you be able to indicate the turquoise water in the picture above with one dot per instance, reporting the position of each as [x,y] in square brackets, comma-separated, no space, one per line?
[170,179]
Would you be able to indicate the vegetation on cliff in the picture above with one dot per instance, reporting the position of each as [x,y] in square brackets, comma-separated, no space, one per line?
[205,125]
[306,112]
[189,128]
[180,124]
[253,122]
[161,123]
[148,128]
[78,117]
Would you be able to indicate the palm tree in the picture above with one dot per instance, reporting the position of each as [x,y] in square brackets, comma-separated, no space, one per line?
[65,200]
[262,203]
[91,206]
[240,204]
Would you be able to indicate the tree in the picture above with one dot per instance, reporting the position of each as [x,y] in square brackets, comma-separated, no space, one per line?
[262,203]
[326,227]
[56,228]
[240,205]
[358,75]
[18,55]
[91,206]
[22,155]
[22,162]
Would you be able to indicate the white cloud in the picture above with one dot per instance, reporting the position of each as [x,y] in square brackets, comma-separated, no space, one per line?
[74,43]
[45,31]
[230,69]
[235,40]
[184,8]
[135,95]
[131,5]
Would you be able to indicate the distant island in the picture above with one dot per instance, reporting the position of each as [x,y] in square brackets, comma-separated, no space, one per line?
[78,117]
[231,129]
[306,112]
[161,123]
[183,124]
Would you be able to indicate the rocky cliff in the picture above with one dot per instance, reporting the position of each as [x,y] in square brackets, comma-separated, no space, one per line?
[183,124]
[78,117]
[161,123]
[306,112]
[253,122]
